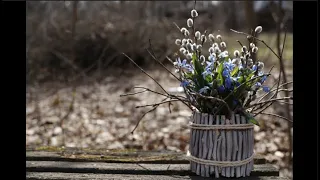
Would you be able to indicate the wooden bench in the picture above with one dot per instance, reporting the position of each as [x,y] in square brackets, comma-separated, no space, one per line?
[75,163]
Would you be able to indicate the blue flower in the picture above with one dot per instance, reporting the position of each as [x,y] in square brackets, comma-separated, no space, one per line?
[226,73]
[204,89]
[266,88]
[228,83]
[221,89]
[263,79]
[254,67]
[258,84]
[184,83]
[184,65]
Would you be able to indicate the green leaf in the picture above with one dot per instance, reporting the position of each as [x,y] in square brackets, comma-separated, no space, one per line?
[220,77]
[251,119]
[199,70]
[235,71]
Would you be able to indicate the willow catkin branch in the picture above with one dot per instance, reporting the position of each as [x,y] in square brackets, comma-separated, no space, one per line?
[257,40]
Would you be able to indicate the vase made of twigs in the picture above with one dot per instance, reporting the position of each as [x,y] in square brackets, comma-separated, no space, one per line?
[221,146]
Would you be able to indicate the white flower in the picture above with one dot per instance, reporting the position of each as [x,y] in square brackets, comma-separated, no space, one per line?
[217,49]
[202,58]
[175,63]
[249,62]
[223,45]
[236,53]
[189,22]
[198,34]
[189,46]
[211,50]
[190,41]
[223,54]
[236,61]
[184,41]
[252,45]
[254,49]
[178,42]
[211,37]
[186,33]
[258,29]
[247,55]
[182,50]
[215,45]
[260,66]
[244,49]
[189,56]
[194,13]
[183,30]
[203,38]
[186,52]
[199,46]
[194,47]
[219,36]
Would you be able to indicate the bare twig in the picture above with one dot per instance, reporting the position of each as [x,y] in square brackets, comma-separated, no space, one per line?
[156,59]
[129,94]
[145,73]
[157,104]
[263,102]
[154,108]
[276,115]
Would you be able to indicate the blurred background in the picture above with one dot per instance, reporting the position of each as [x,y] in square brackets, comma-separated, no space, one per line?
[76,72]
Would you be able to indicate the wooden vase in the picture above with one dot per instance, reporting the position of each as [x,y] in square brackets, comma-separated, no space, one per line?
[227,148]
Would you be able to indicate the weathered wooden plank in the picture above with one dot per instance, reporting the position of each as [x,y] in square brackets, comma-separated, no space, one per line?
[111,157]
[79,176]
[123,168]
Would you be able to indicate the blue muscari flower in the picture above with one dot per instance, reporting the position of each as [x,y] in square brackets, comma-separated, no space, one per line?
[228,83]
[226,73]
[254,67]
[204,89]
[221,89]
[266,88]
[184,65]
[184,83]
[263,79]
[258,84]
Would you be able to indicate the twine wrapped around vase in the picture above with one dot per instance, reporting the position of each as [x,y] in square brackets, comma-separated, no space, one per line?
[219,146]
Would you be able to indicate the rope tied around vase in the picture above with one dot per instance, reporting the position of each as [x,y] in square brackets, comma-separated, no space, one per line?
[219,163]
[222,127]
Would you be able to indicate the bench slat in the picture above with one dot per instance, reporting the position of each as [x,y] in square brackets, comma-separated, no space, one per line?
[125,168]
[78,176]
[119,157]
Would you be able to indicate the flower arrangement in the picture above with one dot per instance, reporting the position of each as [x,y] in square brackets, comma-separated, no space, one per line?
[221,83]
[221,89]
